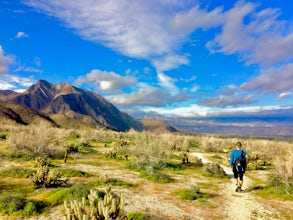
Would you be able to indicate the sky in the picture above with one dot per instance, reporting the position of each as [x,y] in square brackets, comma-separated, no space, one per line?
[179,58]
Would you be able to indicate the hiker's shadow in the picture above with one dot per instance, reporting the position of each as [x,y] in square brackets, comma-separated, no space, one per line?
[246,190]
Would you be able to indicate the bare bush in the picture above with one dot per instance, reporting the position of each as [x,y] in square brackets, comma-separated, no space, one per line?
[284,168]
[149,150]
[34,139]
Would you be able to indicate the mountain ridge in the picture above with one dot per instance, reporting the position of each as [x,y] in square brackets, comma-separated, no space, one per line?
[81,105]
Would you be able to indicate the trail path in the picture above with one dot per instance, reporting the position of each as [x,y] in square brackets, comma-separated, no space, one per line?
[242,205]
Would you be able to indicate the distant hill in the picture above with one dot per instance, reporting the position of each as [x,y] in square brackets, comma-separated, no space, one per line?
[158,126]
[22,115]
[73,102]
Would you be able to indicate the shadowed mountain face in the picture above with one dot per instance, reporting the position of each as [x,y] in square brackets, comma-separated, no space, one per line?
[23,115]
[73,102]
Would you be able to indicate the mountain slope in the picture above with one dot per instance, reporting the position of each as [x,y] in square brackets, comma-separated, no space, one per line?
[76,103]
[158,126]
[22,115]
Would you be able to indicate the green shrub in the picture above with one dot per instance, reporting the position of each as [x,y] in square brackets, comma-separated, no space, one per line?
[274,190]
[16,204]
[191,194]
[2,136]
[61,194]
[137,216]
[16,172]
[193,143]
[214,170]
[156,176]
[73,173]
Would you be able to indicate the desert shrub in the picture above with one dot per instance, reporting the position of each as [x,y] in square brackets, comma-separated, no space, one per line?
[284,169]
[148,150]
[110,181]
[156,176]
[47,177]
[17,204]
[193,143]
[150,172]
[214,170]
[138,216]
[76,191]
[3,135]
[34,139]
[73,173]
[16,172]
[193,193]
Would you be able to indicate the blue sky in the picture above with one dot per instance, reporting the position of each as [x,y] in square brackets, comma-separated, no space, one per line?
[167,57]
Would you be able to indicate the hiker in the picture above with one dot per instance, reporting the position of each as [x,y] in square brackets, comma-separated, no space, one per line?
[238,165]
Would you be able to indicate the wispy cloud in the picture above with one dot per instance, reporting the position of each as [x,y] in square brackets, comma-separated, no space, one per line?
[167,83]
[21,35]
[284,95]
[253,34]
[272,80]
[223,101]
[5,60]
[139,29]
[16,83]
[28,69]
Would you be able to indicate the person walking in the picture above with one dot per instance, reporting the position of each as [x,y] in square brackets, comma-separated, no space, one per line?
[238,165]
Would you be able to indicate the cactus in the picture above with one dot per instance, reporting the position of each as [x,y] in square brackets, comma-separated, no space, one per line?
[76,210]
[45,177]
[108,208]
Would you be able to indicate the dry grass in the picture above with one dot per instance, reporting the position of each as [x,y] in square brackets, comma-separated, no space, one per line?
[152,152]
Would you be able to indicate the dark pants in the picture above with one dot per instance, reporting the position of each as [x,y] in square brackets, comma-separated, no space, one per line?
[238,172]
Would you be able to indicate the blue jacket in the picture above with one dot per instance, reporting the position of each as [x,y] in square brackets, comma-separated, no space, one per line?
[235,154]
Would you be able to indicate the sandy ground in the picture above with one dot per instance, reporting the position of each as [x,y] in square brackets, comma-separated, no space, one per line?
[159,200]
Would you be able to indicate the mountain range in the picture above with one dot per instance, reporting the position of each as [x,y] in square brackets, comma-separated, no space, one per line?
[56,102]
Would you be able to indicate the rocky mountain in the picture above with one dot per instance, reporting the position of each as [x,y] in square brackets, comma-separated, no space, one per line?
[22,115]
[73,102]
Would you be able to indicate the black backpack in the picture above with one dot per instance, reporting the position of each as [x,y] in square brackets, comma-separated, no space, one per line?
[241,162]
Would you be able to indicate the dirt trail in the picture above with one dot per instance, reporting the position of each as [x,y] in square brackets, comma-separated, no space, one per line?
[242,205]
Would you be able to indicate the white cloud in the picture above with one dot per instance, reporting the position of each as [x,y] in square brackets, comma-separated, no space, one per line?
[223,101]
[284,95]
[169,62]
[4,62]
[194,18]
[272,80]
[28,69]
[167,83]
[21,35]
[106,81]
[16,83]
[146,96]
[194,88]
[257,36]
[135,28]
[194,110]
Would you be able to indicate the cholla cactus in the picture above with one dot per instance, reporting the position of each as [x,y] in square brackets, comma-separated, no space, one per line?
[108,208]
[45,177]
[75,210]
